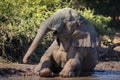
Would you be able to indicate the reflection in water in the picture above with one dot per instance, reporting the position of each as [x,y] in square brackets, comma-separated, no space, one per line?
[107,74]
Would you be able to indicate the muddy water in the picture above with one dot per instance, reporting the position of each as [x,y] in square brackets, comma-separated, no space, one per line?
[103,71]
[97,75]
[106,75]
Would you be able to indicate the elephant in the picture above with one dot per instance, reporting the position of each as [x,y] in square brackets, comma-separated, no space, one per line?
[74,48]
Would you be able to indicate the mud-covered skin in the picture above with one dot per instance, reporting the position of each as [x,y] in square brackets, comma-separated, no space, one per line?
[73,50]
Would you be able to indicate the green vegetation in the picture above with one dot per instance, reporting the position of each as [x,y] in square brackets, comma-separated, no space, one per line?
[20,20]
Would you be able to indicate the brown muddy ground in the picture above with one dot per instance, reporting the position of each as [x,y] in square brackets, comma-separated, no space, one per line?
[104,71]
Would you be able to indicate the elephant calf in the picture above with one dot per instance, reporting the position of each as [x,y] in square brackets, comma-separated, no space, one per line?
[74,48]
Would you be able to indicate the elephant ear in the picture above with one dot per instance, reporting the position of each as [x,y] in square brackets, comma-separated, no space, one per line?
[79,34]
[80,39]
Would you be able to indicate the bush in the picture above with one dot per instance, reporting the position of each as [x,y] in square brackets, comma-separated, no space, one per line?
[19,20]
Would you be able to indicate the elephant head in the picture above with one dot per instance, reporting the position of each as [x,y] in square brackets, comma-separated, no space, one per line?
[66,22]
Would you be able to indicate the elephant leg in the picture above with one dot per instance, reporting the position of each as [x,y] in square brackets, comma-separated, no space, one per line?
[70,67]
[89,62]
[43,68]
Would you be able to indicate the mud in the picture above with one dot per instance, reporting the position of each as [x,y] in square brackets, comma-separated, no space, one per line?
[103,71]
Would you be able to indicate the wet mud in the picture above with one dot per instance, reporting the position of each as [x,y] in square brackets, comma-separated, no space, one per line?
[103,71]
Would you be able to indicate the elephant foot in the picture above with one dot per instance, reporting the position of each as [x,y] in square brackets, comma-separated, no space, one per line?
[65,73]
[46,72]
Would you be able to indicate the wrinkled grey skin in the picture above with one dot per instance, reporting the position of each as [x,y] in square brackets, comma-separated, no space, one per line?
[73,50]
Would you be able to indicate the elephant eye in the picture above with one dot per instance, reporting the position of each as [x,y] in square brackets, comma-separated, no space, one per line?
[55,33]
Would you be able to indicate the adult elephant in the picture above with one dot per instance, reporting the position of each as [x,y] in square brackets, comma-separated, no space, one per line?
[73,50]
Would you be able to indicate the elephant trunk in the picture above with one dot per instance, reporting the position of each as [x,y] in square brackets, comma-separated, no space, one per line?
[41,32]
